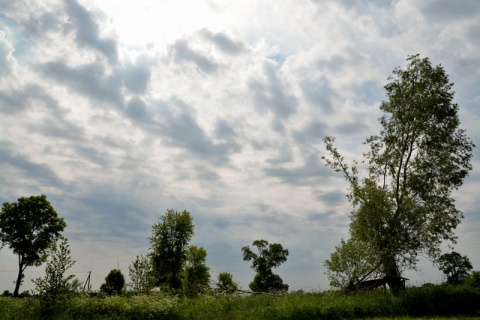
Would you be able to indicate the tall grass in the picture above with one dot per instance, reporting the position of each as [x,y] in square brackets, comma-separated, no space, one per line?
[417,302]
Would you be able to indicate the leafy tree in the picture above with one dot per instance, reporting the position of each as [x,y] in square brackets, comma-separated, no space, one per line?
[269,256]
[55,286]
[225,283]
[455,267]
[196,274]
[169,242]
[352,261]
[473,280]
[29,227]
[140,272]
[403,206]
[114,283]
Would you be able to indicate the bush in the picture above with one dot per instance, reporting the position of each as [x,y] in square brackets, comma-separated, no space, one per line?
[114,283]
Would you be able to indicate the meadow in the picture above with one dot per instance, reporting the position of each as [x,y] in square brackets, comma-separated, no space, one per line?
[426,302]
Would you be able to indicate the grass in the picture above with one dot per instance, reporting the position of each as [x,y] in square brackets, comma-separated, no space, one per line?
[421,303]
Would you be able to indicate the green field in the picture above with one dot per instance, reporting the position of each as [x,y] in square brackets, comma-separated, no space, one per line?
[422,303]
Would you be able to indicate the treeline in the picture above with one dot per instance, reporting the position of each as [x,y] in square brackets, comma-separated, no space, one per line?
[33,230]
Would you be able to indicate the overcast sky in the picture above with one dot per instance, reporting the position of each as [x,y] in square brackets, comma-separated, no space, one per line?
[120,110]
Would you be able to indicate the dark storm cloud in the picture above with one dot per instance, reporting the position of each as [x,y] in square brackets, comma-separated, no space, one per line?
[89,79]
[224,43]
[39,173]
[87,31]
[183,53]
[310,173]
[273,95]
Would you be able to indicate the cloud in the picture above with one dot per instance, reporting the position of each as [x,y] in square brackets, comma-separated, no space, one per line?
[272,94]
[310,173]
[40,174]
[183,53]
[224,42]
[136,76]
[87,31]
[90,80]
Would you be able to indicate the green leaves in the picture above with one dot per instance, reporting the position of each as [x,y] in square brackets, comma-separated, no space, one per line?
[403,206]
[269,256]
[29,227]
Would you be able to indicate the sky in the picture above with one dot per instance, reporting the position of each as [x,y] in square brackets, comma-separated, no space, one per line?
[120,110]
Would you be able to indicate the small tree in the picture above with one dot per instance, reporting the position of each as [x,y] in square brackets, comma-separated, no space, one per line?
[269,256]
[196,273]
[454,266]
[225,283]
[140,272]
[353,261]
[55,286]
[29,227]
[114,283]
[169,242]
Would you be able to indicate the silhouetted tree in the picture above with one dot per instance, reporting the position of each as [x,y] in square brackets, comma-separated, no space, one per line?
[269,256]
[29,227]
[455,267]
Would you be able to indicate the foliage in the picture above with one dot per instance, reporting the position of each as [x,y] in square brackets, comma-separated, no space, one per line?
[420,302]
[169,242]
[352,261]
[404,207]
[454,266]
[269,256]
[55,287]
[140,272]
[473,280]
[114,283]
[196,274]
[225,283]
[29,227]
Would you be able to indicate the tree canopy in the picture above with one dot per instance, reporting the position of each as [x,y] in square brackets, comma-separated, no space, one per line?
[169,243]
[196,275]
[29,227]
[455,267]
[403,206]
[269,256]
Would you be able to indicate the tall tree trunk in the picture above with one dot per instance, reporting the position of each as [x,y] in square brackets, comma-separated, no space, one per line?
[393,276]
[19,281]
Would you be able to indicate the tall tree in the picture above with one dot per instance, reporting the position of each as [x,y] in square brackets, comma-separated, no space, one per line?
[455,267]
[404,206]
[196,275]
[169,243]
[269,256]
[29,227]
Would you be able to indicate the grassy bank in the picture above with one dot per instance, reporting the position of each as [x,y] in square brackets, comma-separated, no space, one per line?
[416,302]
